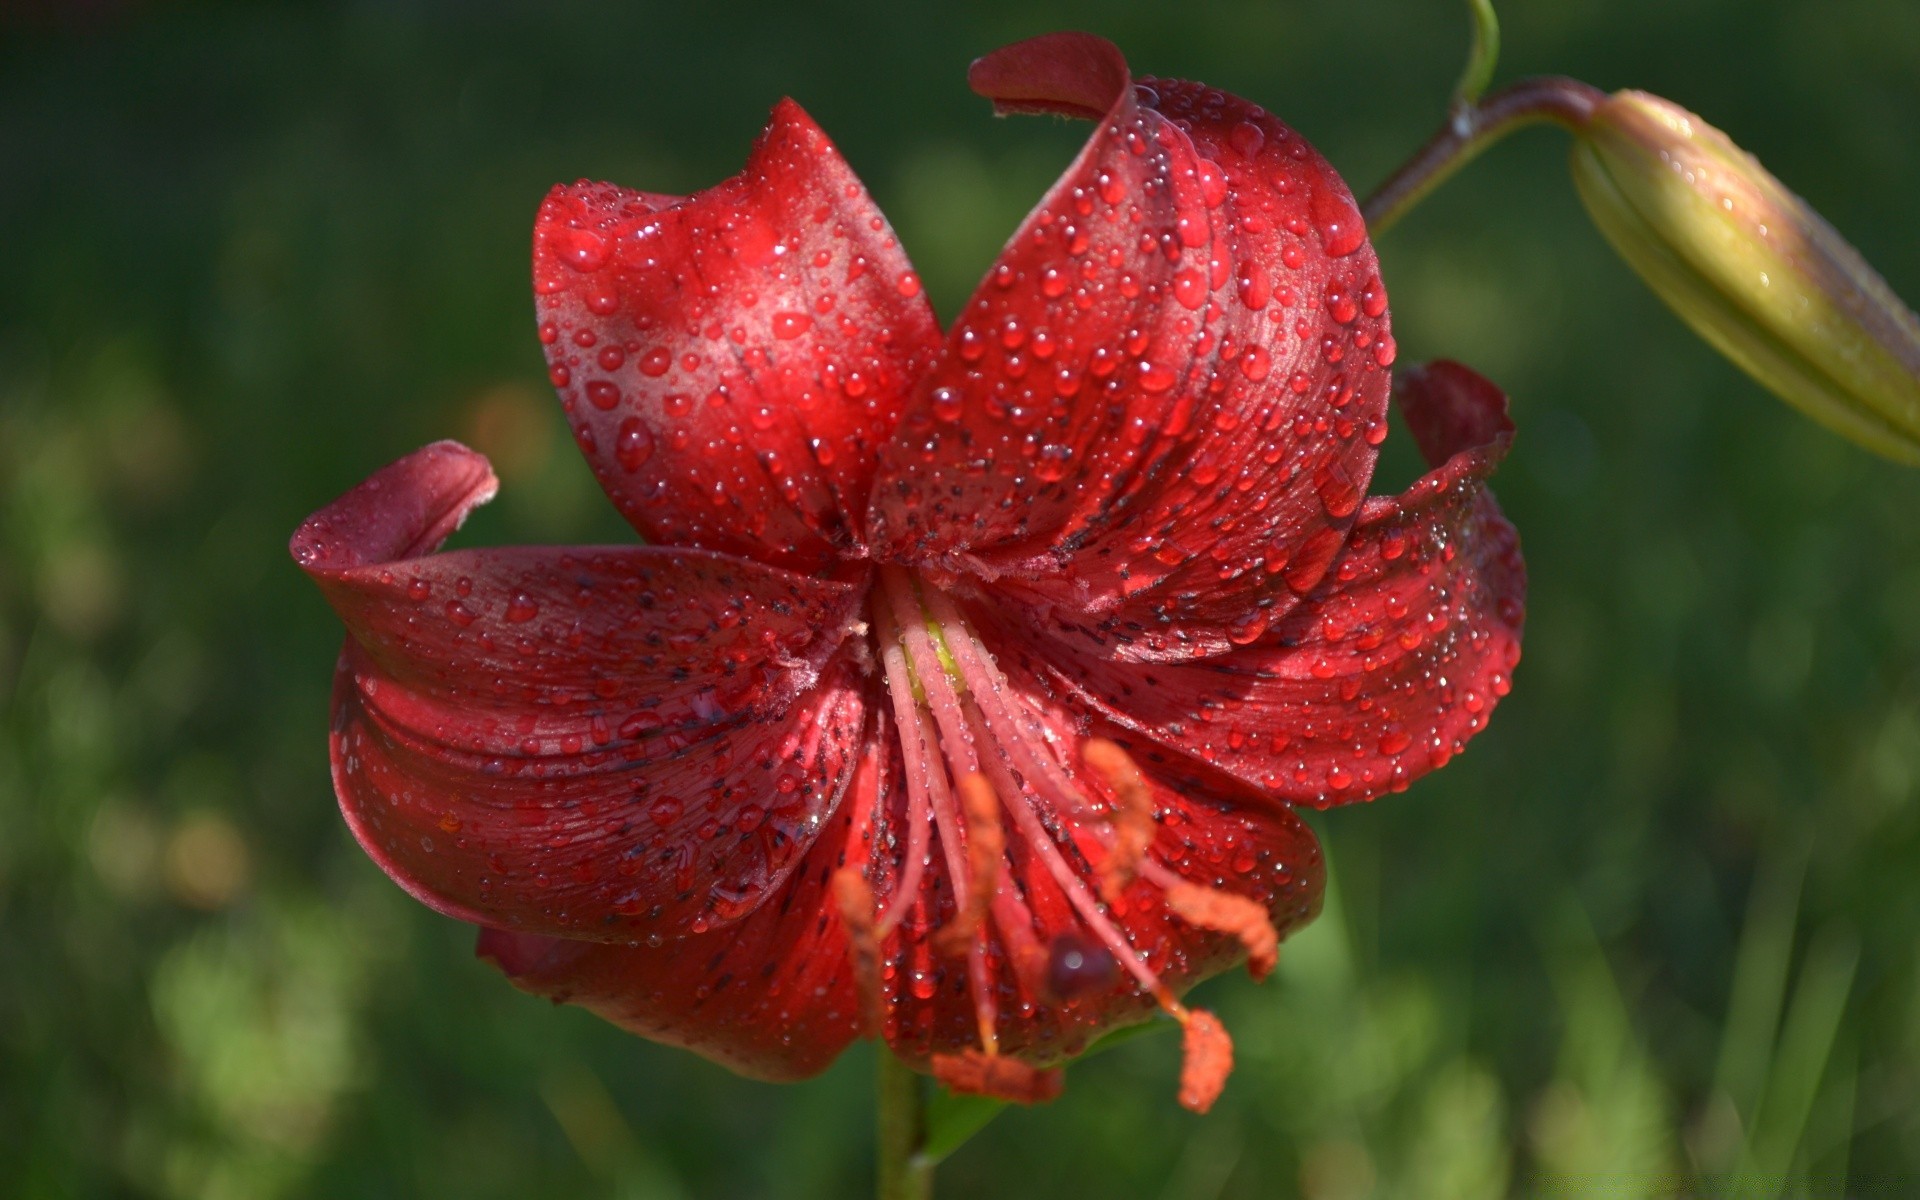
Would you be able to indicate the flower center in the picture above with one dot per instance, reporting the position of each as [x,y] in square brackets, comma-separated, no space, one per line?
[977,757]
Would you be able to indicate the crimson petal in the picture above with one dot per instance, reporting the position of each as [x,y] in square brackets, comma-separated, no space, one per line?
[1388,668]
[772,997]
[607,743]
[732,361]
[1160,410]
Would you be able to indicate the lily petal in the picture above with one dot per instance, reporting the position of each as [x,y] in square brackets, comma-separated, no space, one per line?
[772,997]
[609,743]
[1388,667]
[1160,411]
[731,362]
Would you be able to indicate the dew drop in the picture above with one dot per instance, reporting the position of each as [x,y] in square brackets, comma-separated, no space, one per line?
[522,608]
[1340,303]
[1078,966]
[1373,298]
[1337,220]
[1213,183]
[1055,460]
[1247,139]
[946,404]
[633,445]
[1156,377]
[1248,628]
[581,249]
[1190,288]
[1256,288]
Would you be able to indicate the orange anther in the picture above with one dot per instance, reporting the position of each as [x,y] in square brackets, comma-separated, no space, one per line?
[1208,1060]
[1226,912]
[1132,816]
[986,844]
[853,897]
[975,1073]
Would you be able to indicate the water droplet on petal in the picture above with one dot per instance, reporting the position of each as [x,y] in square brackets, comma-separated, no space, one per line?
[582,249]
[1055,459]
[633,445]
[790,325]
[522,608]
[1337,220]
[1157,377]
[1190,288]
[603,395]
[1247,139]
[946,404]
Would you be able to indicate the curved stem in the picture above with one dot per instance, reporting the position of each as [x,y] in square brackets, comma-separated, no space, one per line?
[1482,56]
[1470,129]
[905,1173]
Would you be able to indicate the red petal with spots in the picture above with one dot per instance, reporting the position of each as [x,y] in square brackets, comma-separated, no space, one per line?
[597,742]
[732,361]
[772,997]
[1159,412]
[1390,665]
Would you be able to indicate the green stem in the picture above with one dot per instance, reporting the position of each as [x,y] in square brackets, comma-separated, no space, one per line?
[1484,54]
[905,1173]
[1471,128]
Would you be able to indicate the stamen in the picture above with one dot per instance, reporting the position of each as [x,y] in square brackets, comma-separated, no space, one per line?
[907,719]
[1015,923]
[931,671]
[1206,1061]
[977,1074]
[1041,843]
[995,754]
[986,843]
[1132,818]
[1231,913]
[853,896]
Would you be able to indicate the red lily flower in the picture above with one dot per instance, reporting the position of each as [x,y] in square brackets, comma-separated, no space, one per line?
[964,687]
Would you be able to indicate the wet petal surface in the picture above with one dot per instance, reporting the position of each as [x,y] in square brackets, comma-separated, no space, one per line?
[731,362]
[1387,669]
[771,997]
[607,743]
[1160,411]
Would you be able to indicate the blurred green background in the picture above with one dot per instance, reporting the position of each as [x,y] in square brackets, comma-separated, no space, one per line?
[1657,932]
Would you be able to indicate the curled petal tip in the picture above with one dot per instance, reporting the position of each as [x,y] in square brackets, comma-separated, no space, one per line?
[1071,74]
[1753,269]
[403,510]
[1451,409]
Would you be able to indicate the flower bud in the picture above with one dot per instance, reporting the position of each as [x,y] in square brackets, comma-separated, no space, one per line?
[1753,269]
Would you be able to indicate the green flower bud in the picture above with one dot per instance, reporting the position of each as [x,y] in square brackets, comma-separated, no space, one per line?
[1753,269]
